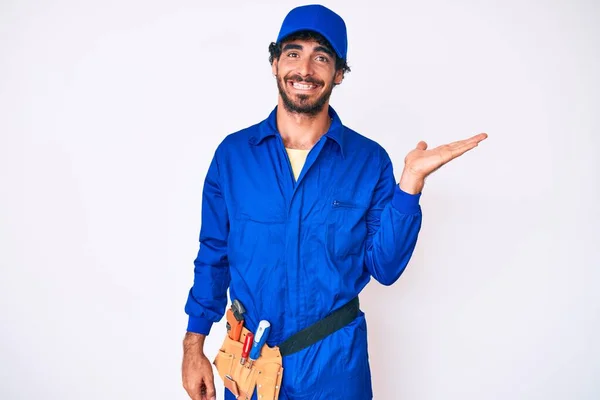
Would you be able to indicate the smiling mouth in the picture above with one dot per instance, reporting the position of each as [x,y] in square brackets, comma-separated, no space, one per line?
[302,86]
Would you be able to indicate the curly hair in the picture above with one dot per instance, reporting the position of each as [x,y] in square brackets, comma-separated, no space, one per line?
[275,48]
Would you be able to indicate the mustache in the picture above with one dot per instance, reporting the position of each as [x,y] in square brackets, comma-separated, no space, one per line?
[308,79]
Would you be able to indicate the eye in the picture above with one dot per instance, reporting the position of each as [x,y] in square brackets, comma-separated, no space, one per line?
[322,59]
[292,54]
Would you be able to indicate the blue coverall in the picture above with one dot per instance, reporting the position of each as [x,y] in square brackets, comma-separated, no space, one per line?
[294,251]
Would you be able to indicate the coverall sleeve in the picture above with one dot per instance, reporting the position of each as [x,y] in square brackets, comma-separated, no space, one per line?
[207,297]
[393,225]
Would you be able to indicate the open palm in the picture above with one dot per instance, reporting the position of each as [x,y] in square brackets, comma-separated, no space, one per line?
[422,162]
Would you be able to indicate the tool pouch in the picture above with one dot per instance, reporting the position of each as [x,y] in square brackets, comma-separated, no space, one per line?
[265,374]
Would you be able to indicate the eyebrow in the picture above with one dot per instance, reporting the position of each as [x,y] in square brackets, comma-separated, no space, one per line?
[324,50]
[294,46]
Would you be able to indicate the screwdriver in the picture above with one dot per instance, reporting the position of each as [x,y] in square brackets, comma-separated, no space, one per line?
[247,347]
[262,332]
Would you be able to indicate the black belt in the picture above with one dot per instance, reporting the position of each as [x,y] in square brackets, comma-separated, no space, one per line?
[321,329]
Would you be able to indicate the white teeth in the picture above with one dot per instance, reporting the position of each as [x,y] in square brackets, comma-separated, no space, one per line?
[303,87]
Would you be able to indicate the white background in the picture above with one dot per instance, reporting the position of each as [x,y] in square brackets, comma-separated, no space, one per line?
[110,112]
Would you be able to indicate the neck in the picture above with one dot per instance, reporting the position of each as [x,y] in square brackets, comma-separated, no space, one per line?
[300,131]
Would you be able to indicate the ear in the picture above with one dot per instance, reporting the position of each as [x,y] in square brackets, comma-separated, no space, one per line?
[338,77]
[274,67]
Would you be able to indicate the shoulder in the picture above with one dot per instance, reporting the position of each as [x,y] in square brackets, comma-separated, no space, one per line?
[360,145]
[236,141]
[242,136]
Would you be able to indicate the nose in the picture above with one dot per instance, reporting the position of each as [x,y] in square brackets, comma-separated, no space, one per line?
[305,67]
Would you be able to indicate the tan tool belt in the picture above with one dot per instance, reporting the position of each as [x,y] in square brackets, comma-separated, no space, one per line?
[265,374]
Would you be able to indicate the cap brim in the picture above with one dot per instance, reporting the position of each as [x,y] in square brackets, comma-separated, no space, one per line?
[284,35]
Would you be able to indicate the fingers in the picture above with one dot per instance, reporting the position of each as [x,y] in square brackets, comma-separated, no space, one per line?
[196,395]
[451,151]
[453,147]
[207,391]
[200,392]
[203,391]
[198,379]
[204,394]
[211,393]
[459,150]
[473,139]
[477,138]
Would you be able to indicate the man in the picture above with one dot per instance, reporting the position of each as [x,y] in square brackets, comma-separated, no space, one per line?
[298,213]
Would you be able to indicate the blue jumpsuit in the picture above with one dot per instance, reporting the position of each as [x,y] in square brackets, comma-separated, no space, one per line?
[293,251]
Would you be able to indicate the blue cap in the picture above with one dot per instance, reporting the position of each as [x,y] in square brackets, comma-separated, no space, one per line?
[320,19]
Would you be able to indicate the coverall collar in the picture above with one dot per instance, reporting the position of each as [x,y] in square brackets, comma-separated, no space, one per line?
[268,128]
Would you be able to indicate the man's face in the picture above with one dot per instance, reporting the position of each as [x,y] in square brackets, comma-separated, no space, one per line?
[306,76]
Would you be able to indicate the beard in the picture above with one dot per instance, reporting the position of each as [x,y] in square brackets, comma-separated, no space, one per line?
[301,103]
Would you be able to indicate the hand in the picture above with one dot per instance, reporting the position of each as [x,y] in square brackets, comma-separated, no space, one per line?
[420,162]
[197,373]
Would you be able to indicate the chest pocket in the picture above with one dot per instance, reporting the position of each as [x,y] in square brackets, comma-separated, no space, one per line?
[256,235]
[346,227]
[260,210]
